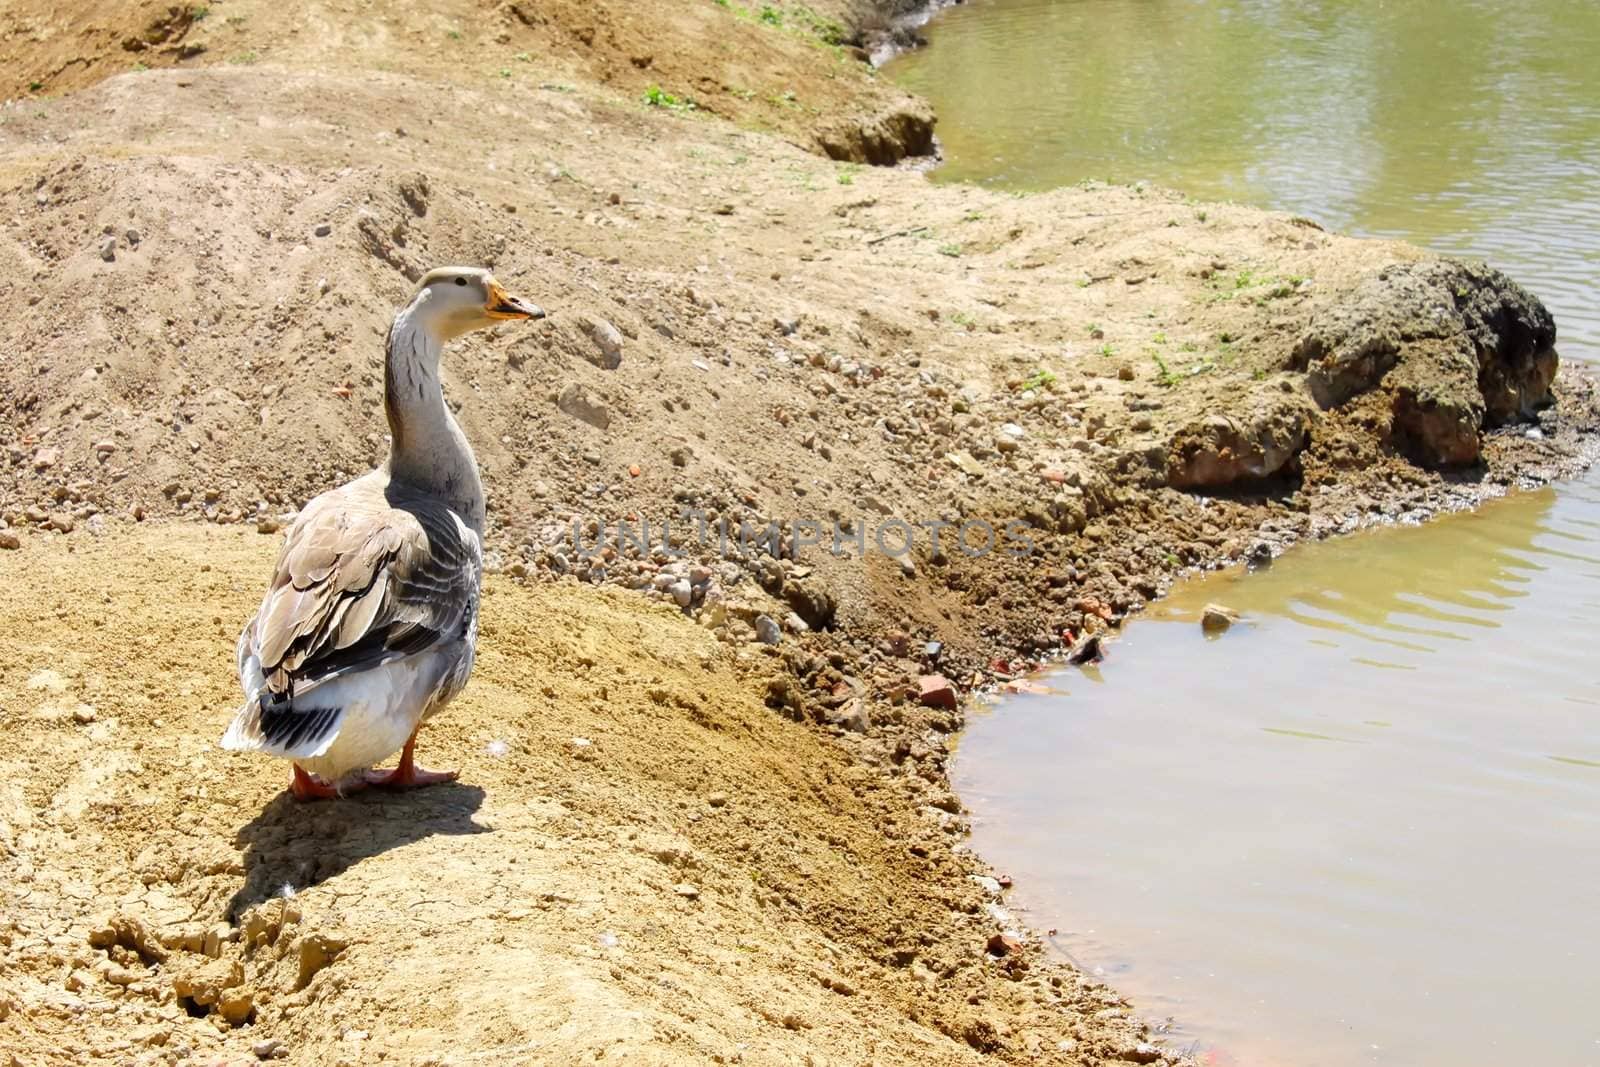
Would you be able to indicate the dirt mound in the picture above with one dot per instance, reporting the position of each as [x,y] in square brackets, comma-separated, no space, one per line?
[787,68]
[641,859]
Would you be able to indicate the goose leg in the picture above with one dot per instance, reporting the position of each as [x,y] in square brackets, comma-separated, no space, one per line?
[308,787]
[408,775]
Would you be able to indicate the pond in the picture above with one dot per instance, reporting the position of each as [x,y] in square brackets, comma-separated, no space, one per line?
[1359,827]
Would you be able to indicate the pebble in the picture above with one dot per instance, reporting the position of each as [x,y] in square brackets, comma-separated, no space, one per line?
[682,592]
[9,541]
[935,691]
[46,458]
[84,714]
[687,891]
[265,1050]
[323,230]
[133,237]
[717,800]
[1215,618]
[577,401]
[767,631]
[108,249]
[607,342]
[1003,945]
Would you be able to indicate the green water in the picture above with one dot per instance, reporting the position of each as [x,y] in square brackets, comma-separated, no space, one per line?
[1468,126]
[1363,827]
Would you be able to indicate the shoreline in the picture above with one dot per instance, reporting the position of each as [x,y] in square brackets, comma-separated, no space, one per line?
[798,338]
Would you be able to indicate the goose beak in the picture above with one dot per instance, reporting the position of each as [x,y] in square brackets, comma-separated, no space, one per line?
[502,305]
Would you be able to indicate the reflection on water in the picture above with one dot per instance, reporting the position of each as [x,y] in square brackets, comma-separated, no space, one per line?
[1361,826]
[1472,127]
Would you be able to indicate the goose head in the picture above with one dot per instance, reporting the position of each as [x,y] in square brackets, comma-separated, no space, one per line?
[451,301]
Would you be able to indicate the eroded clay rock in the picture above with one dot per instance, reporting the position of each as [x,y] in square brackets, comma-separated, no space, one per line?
[1460,346]
[903,129]
[1223,450]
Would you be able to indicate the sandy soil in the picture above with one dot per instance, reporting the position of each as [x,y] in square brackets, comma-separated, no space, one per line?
[641,861]
[198,261]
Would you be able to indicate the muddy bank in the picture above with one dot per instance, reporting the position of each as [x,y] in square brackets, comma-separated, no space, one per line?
[200,269]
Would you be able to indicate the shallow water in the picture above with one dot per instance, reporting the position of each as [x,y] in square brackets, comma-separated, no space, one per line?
[1359,827]
[1472,127]
[1363,826]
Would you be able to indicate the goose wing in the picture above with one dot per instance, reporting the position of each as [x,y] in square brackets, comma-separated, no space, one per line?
[361,580]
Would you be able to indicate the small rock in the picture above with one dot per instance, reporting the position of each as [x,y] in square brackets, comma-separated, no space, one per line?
[108,249]
[62,522]
[717,800]
[237,1006]
[105,447]
[1087,650]
[133,237]
[9,540]
[266,1050]
[322,230]
[46,458]
[687,891]
[682,592]
[84,714]
[607,342]
[266,524]
[935,691]
[577,401]
[767,631]
[1125,372]
[839,985]
[1260,556]
[1003,945]
[1215,618]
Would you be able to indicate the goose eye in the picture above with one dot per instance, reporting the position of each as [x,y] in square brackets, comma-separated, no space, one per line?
[461,281]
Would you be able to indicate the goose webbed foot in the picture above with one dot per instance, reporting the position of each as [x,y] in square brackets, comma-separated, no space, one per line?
[306,786]
[408,775]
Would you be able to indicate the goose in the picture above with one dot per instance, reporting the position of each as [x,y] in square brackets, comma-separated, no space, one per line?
[370,622]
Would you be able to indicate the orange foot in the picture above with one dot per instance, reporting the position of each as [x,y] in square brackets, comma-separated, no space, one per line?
[408,775]
[309,787]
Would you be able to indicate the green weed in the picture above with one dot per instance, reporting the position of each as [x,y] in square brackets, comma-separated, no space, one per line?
[1039,379]
[655,96]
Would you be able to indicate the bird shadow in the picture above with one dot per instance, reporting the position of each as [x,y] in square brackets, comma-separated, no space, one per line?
[299,845]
